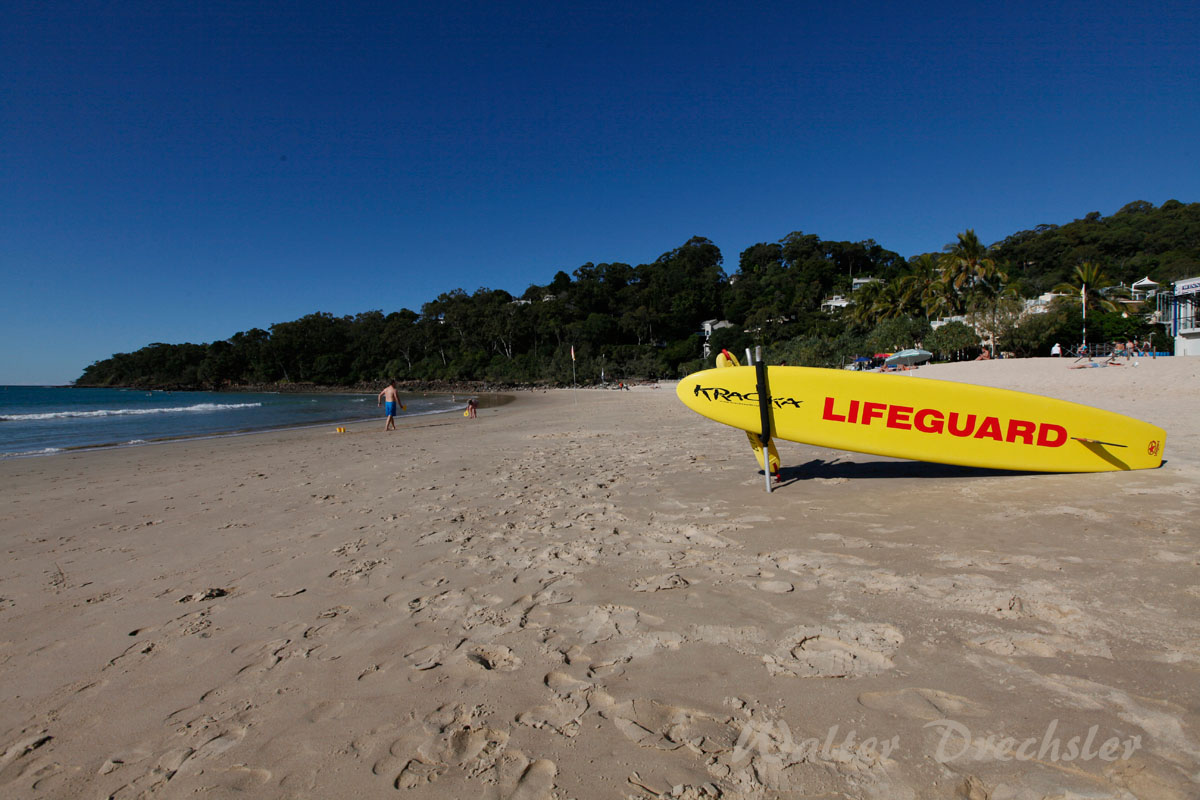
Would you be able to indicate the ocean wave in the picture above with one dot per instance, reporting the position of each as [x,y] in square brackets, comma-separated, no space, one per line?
[45,451]
[127,412]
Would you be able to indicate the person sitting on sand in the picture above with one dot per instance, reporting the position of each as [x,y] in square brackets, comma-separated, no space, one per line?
[391,402]
[984,356]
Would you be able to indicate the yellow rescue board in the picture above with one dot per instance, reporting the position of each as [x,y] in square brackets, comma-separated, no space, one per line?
[903,416]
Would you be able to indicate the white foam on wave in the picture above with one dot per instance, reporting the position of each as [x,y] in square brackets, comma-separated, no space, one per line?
[126,412]
[43,452]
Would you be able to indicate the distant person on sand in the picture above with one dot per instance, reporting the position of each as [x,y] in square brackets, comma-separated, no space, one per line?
[1056,350]
[1082,352]
[984,356]
[472,405]
[391,403]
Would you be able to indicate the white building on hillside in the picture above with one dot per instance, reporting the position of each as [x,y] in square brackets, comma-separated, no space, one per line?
[707,327]
[1183,317]
[1040,304]
[1143,289]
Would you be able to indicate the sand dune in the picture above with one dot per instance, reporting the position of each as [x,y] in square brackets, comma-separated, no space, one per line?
[589,595]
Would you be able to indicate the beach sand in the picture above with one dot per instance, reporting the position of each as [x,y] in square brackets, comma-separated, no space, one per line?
[590,595]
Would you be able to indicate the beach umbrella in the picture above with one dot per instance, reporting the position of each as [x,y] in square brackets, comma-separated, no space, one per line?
[908,357]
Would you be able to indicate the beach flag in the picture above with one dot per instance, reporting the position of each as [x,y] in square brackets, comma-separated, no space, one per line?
[572,352]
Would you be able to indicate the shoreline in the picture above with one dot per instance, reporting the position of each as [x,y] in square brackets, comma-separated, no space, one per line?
[489,400]
[481,607]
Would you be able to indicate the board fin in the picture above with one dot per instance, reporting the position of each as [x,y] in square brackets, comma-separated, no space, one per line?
[758,451]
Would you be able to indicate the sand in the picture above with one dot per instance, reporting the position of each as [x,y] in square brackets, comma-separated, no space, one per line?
[591,596]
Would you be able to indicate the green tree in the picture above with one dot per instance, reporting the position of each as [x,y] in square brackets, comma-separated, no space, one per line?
[966,262]
[1088,281]
[952,340]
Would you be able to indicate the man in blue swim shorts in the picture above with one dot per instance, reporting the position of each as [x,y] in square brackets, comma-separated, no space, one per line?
[391,402]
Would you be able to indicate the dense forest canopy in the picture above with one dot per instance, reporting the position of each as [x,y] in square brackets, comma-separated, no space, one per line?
[645,321]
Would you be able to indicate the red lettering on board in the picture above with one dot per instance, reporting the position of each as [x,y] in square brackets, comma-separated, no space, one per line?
[1044,438]
[1020,429]
[990,429]
[922,421]
[898,417]
[955,430]
[932,420]
[872,411]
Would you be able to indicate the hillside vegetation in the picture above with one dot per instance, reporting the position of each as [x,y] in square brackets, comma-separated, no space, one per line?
[644,321]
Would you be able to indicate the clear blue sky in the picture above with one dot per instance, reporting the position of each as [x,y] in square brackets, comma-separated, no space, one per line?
[177,171]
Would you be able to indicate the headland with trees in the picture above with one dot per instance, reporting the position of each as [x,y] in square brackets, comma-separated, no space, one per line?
[809,301]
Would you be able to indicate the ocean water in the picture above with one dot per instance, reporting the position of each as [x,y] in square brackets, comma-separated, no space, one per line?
[43,420]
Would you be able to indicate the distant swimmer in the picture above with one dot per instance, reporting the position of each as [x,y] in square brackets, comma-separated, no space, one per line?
[391,403]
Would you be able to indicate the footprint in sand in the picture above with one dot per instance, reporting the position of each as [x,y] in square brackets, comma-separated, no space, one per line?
[425,658]
[923,704]
[454,743]
[660,583]
[1039,644]
[775,587]
[649,723]
[18,762]
[494,657]
[563,713]
[835,652]
[518,778]
[450,738]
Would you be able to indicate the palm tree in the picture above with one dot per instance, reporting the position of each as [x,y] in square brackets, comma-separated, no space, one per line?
[927,288]
[892,300]
[1088,280]
[966,262]
[866,306]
